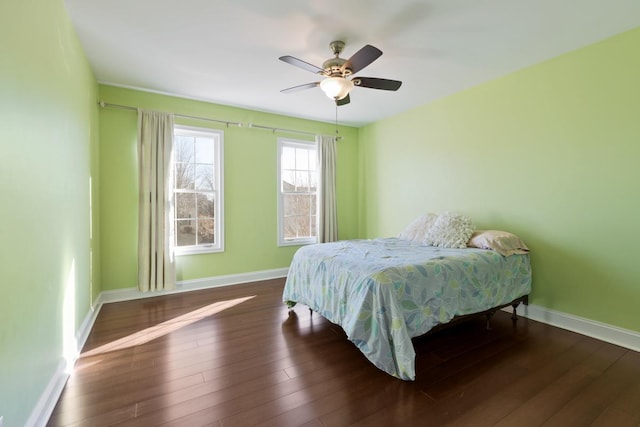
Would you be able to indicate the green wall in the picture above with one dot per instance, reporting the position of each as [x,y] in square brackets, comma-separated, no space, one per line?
[550,152]
[48,155]
[249,184]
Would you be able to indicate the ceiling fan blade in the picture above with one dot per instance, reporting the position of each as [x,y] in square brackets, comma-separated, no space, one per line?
[375,83]
[301,64]
[300,87]
[362,58]
[343,101]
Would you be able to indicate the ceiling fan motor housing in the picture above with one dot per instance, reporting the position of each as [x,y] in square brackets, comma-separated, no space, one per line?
[334,67]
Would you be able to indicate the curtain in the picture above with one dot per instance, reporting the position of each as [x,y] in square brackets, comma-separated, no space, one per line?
[328,219]
[156,264]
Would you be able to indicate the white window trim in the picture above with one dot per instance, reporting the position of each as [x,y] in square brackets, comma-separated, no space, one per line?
[281,240]
[219,208]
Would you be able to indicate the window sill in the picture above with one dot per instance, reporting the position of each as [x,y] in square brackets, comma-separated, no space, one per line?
[297,242]
[197,250]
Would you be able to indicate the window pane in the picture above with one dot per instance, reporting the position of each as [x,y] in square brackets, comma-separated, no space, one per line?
[313,179]
[288,160]
[313,160]
[204,150]
[185,206]
[206,231]
[302,181]
[302,159]
[299,226]
[185,233]
[291,227]
[288,181]
[314,226]
[290,205]
[312,204]
[206,206]
[204,177]
[184,176]
[184,148]
[304,207]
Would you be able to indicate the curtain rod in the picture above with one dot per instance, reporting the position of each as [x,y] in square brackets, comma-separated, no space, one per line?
[239,124]
[127,107]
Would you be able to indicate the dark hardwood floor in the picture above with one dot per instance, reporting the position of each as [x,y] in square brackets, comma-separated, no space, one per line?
[235,356]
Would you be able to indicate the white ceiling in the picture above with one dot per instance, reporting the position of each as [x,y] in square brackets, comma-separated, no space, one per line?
[226,51]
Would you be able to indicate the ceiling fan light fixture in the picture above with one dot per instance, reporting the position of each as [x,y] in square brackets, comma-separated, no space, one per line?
[336,88]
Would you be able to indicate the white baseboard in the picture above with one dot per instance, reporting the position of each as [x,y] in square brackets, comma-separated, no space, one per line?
[48,399]
[128,294]
[46,404]
[85,327]
[612,334]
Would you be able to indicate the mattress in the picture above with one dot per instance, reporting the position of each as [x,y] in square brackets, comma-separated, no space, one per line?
[383,292]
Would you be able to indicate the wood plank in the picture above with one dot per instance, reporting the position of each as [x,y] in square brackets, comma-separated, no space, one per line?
[548,401]
[175,360]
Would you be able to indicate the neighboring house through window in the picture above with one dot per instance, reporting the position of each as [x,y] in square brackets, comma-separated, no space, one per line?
[198,190]
[297,192]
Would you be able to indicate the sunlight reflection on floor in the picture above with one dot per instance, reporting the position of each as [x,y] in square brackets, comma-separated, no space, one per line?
[164,328]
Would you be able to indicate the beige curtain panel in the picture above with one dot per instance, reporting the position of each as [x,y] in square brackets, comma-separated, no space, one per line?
[156,264]
[328,219]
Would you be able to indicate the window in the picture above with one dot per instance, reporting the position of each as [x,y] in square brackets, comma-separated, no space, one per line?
[297,192]
[198,190]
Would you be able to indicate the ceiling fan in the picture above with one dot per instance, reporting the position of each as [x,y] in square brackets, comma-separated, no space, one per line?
[337,84]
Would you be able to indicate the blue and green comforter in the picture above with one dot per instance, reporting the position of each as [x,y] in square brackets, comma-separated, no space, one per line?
[383,292]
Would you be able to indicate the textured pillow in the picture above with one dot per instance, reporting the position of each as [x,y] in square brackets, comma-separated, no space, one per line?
[503,242]
[450,230]
[417,229]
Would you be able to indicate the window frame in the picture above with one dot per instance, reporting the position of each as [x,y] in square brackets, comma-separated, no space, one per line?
[295,143]
[218,191]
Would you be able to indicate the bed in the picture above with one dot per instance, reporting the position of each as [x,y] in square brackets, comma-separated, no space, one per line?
[384,292]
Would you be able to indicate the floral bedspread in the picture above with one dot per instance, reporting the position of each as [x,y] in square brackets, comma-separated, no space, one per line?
[383,292]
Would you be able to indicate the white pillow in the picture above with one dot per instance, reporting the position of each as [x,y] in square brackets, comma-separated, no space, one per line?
[450,230]
[417,229]
[503,242]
